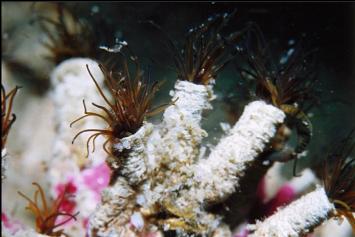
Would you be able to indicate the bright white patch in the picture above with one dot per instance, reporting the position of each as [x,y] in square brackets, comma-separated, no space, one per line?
[225,127]
[137,220]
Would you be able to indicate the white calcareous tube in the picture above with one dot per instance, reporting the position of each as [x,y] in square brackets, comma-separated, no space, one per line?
[3,164]
[296,219]
[113,214]
[133,165]
[72,84]
[181,129]
[219,175]
[175,143]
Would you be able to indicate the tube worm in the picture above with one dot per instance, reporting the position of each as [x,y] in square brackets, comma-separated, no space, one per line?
[126,139]
[335,199]
[174,186]
[180,132]
[71,87]
[7,120]
[237,151]
[213,179]
[289,85]
[298,218]
[46,215]
[113,214]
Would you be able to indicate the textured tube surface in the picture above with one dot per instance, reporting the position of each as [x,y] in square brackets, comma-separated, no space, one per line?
[219,175]
[296,219]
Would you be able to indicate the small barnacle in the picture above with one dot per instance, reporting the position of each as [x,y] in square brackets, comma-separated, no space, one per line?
[339,178]
[205,51]
[131,101]
[288,85]
[7,118]
[46,216]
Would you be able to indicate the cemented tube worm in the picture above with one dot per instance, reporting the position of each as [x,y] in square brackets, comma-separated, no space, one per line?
[175,181]
[126,133]
[67,98]
[235,153]
[7,120]
[213,179]
[298,218]
[71,88]
[335,199]
[204,54]
[113,214]
[71,37]
[124,116]
[288,85]
[46,215]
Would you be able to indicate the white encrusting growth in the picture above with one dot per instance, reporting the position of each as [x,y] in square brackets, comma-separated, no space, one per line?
[3,164]
[180,129]
[174,144]
[133,165]
[296,219]
[137,220]
[112,216]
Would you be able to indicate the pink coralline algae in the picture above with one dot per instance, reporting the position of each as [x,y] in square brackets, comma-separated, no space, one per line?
[11,225]
[96,178]
[93,179]
[285,195]
[68,204]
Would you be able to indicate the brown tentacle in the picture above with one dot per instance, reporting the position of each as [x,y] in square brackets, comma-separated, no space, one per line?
[90,130]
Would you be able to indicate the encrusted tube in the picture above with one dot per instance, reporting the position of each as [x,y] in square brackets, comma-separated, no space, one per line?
[3,164]
[113,214]
[132,161]
[180,129]
[174,144]
[219,175]
[71,85]
[296,219]
[215,178]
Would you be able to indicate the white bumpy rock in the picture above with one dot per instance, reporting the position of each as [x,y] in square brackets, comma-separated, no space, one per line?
[296,219]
